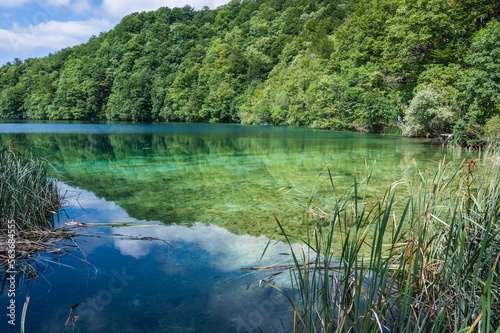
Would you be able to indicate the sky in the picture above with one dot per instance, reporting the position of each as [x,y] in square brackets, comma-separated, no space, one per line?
[35,28]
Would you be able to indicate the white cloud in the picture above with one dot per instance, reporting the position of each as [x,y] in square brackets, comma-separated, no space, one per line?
[121,8]
[77,6]
[217,3]
[199,4]
[227,251]
[52,34]
[57,3]
[43,4]
[41,28]
[13,3]
[50,7]
[80,7]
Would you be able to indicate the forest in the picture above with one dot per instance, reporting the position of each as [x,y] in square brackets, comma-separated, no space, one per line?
[329,64]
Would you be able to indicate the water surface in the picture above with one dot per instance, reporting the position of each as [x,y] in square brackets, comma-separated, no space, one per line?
[195,284]
[233,176]
[209,191]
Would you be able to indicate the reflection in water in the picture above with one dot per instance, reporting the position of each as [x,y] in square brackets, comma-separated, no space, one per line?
[232,251]
[230,175]
[146,286]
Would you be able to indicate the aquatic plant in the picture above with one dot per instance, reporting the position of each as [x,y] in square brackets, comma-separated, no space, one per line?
[27,195]
[427,261]
[29,203]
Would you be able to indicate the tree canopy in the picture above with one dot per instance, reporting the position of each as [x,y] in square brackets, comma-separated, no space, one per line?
[337,64]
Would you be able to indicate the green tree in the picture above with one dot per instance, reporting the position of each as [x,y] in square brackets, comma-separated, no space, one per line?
[484,62]
[429,113]
[11,102]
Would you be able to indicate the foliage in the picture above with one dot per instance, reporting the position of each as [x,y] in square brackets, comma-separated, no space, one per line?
[428,113]
[484,87]
[341,64]
[492,130]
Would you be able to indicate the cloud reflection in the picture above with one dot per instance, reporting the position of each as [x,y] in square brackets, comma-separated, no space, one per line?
[227,251]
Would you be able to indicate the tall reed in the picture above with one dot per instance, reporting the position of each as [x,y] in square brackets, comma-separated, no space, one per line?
[425,263]
[27,195]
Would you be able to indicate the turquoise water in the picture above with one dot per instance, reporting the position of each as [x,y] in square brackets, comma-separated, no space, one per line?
[230,175]
[210,191]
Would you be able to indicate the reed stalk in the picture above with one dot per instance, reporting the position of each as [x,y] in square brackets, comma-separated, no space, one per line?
[28,196]
[29,203]
[427,263]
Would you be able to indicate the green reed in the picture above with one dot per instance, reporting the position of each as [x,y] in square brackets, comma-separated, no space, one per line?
[425,261]
[27,195]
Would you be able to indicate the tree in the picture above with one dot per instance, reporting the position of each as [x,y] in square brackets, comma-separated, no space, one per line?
[429,113]
[484,87]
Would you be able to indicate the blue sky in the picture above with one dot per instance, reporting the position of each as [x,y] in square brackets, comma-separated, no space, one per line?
[35,28]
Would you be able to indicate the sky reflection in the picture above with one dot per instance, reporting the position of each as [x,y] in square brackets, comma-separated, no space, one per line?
[147,286]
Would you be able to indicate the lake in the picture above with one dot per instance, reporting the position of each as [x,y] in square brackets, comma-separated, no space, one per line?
[207,192]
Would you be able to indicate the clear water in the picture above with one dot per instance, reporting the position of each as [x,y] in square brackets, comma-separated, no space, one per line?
[148,286]
[208,190]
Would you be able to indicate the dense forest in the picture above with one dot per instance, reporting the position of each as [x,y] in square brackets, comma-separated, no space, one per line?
[333,64]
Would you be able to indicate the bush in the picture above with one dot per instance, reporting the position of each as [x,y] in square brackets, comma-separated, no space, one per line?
[492,130]
[429,114]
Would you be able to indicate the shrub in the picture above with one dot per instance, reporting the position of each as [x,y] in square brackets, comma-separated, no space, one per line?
[429,113]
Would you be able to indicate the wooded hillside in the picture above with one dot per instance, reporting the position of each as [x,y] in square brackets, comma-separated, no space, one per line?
[341,64]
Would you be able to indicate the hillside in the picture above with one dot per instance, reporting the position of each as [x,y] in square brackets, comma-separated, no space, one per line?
[340,64]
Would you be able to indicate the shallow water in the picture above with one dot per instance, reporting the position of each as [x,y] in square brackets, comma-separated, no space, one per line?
[208,190]
[233,176]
